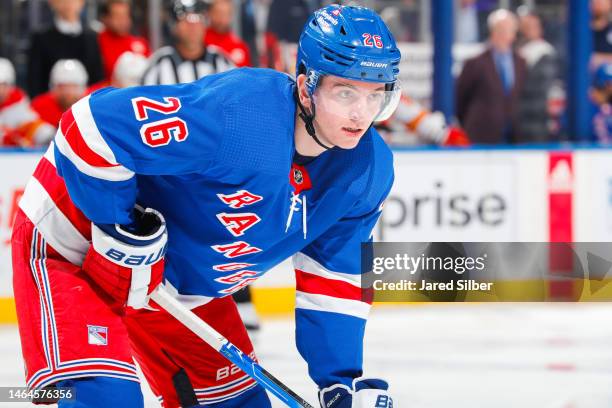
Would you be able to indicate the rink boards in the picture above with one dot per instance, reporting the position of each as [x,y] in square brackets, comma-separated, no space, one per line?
[499,195]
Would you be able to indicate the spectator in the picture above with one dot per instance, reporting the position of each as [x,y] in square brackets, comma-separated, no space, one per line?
[285,21]
[116,38]
[68,84]
[601,28]
[466,30]
[66,39]
[403,19]
[189,59]
[490,84]
[219,33]
[541,60]
[128,71]
[19,124]
[253,16]
[601,102]
[287,18]
[411,124]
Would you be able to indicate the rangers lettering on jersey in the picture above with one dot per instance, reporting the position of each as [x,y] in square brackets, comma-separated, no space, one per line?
[237,224]
[239,199]
[235,249]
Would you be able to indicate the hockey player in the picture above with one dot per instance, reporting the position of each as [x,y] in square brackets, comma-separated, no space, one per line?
[203,187]
[67,83]
[128,71]
[19,124]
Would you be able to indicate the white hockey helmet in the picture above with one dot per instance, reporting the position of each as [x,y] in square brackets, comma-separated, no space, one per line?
[68,71]
[129,69]
[7,72]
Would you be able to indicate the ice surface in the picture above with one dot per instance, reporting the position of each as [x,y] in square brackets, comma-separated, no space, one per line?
[449,355]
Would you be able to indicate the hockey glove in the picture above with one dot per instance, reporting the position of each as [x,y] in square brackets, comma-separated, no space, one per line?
[127,262]
[366,393]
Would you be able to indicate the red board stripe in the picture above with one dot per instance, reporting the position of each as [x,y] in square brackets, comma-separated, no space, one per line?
[560,213]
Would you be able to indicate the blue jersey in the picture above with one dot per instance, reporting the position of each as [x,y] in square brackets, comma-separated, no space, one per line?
[215,157]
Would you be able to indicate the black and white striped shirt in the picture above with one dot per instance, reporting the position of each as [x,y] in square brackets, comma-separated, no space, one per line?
[166,66]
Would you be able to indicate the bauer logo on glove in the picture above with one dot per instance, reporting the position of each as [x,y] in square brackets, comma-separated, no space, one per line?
[126,262]
[134,260]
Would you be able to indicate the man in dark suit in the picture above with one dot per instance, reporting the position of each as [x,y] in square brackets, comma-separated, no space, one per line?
[67,38]
[490,84]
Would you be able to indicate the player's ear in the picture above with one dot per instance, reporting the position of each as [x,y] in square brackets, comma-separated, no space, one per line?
[303,91]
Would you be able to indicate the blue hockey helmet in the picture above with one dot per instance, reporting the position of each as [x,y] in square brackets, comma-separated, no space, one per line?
[353,43]
[348,42]
[603,76]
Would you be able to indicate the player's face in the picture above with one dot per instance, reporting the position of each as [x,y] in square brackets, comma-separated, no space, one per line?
[119,20]
[345,109]
[68,94]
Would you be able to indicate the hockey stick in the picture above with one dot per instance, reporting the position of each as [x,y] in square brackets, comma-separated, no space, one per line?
[214,339]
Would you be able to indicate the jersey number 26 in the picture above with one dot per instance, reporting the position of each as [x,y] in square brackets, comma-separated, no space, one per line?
[160,132]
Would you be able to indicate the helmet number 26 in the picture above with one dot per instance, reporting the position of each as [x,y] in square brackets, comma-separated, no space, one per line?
[160,132]
[370,40]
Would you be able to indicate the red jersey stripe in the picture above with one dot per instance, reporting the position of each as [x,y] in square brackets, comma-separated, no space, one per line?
[47,176]
[309,283]
[74,137]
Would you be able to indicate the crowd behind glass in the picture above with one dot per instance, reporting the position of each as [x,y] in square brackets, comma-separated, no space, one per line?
[510,92]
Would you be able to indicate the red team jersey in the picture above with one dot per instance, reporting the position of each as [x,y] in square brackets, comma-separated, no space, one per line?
[97,86]
[113,45]
[47,108]
[19,123]
[234,48]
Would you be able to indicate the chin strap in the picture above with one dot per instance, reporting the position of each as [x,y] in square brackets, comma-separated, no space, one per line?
[308,119]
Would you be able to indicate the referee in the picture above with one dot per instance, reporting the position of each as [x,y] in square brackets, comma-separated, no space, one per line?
[189,59]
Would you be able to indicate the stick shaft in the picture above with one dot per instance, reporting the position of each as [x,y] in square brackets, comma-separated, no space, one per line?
[214,339]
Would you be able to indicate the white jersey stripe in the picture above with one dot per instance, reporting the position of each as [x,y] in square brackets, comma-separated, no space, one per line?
[89,131]
[59,232]
[50,154]
[117,173]
[325,303]
[84,373]
[226,386]
[212,400]
[305,263]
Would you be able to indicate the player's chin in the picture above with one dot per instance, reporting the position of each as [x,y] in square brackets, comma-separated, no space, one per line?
[350,136]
